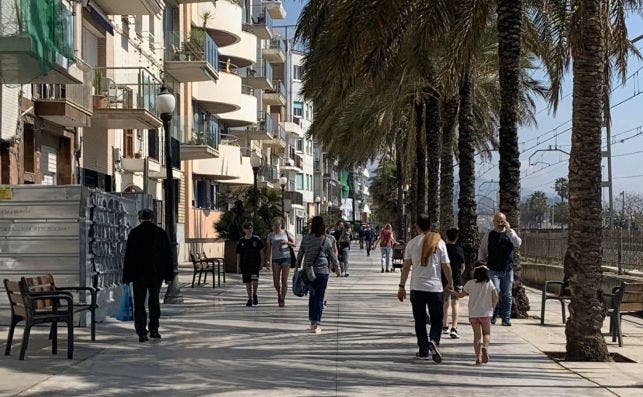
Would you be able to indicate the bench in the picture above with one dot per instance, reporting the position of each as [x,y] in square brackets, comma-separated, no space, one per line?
[218,262]
[39,308]
[624,299]
[203,267]
[562,296]
[46,284]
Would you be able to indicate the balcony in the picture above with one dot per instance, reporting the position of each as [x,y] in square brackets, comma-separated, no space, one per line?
[125,98]
[201,146]
[268,174]
[222,21]
[276,95]
[261,24]
[275,51]
[293,128]
[292,163]
[130,7]
[295,198]
[230,166]
[278,141]
[246,114]
[68,105]
[222,97]
[259,76]
[36,43]
[263,130]
[191,58]
[275,9]
[243,53]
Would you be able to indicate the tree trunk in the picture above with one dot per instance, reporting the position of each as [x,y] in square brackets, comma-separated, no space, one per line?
[509,43]
[450,112]
[399,177]
[433,155]
[420,158]
[467,219]
[583,258]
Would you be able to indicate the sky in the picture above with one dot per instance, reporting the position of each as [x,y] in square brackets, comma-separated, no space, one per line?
[541,168]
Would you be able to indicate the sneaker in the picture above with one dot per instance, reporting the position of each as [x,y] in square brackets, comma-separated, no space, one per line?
[493,320]
[155,335]
[454,334]
[485,355]
[142,339]
[249,303]
[388,271]
[506,323]
[282,303]
[421,356]
[255,301]
[445,330]
[346,275]
[382,270]
[393,270]
[435,353]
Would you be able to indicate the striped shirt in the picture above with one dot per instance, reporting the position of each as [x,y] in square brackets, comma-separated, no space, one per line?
[310,251]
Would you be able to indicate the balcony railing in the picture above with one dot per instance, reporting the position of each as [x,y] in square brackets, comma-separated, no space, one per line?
[205,130]
[195,46]
[127,88]
[78,94]
[278,131]
[269,172]
[278,44]
[278,87]
[265,123]
[294,197]
[261,69]
[261,16]
[228,67]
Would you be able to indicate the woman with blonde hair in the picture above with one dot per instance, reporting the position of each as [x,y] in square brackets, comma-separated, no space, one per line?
[427,255]
[386,241]
[280,242]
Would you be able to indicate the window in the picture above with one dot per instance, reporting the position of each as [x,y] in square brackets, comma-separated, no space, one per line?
[299,182]
[296,72]
[204,194]
[300,145]
[128,144]
[298,109]
[153,144]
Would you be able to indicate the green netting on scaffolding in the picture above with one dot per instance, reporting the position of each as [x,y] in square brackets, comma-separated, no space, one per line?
[49,24]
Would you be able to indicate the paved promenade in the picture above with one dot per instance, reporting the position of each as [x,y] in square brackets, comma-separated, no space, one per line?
[214,345]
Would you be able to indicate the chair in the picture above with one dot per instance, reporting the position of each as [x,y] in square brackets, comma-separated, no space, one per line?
[562,296]
[39,308]
[626,298]
[209,267]
[46,284]
[219,264]
[198,265]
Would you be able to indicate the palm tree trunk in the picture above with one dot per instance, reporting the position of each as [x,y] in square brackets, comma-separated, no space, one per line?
[420,158]
[583,258]
[450,112]
[433,155]
[399,174]
[467,219]
[509,43]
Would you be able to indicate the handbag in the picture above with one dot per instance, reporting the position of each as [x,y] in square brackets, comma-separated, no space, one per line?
[299,286]
[293,257]
[126,308]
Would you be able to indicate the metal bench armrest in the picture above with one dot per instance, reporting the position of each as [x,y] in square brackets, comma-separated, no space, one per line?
[92,291]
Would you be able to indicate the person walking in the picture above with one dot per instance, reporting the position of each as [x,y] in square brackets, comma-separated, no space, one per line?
[148,262]
[280,243]
[343,238]
[483,297]
[250,256]
[456,256]
[369,236]
[496,251]
[317,252]
[386,242]
[360,235]
[427,255]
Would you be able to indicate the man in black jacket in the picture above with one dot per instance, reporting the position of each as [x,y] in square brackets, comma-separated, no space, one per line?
[148,262]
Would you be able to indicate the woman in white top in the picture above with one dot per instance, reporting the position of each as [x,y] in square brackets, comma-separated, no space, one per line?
[427,255]
[280,242]
[483,298]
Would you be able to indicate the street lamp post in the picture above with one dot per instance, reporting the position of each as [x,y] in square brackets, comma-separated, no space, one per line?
[165,103]
[255,163]
[317,204]
[283,181]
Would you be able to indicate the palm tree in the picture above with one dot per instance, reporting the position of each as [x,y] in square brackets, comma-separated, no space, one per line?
[449,115]
[432,104]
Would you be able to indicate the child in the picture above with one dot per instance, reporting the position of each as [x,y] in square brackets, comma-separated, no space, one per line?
[483,297]
[250,256]
[456,256]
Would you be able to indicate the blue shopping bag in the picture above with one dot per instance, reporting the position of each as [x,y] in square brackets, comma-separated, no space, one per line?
[126,308]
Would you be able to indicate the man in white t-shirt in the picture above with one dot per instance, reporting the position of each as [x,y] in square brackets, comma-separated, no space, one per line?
[426,286]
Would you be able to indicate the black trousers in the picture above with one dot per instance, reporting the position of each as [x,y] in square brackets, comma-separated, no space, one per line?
[420,300]
[141,290]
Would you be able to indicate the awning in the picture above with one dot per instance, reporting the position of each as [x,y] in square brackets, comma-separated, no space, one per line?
[98,17]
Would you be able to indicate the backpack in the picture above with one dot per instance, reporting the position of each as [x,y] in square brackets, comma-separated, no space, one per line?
[299,285]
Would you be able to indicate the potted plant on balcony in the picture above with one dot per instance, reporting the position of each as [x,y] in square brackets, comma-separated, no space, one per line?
[258,206]
[99,99]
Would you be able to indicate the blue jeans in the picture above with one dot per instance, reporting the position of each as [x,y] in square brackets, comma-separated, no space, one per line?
[503,281]
[316,298]
[386,256]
